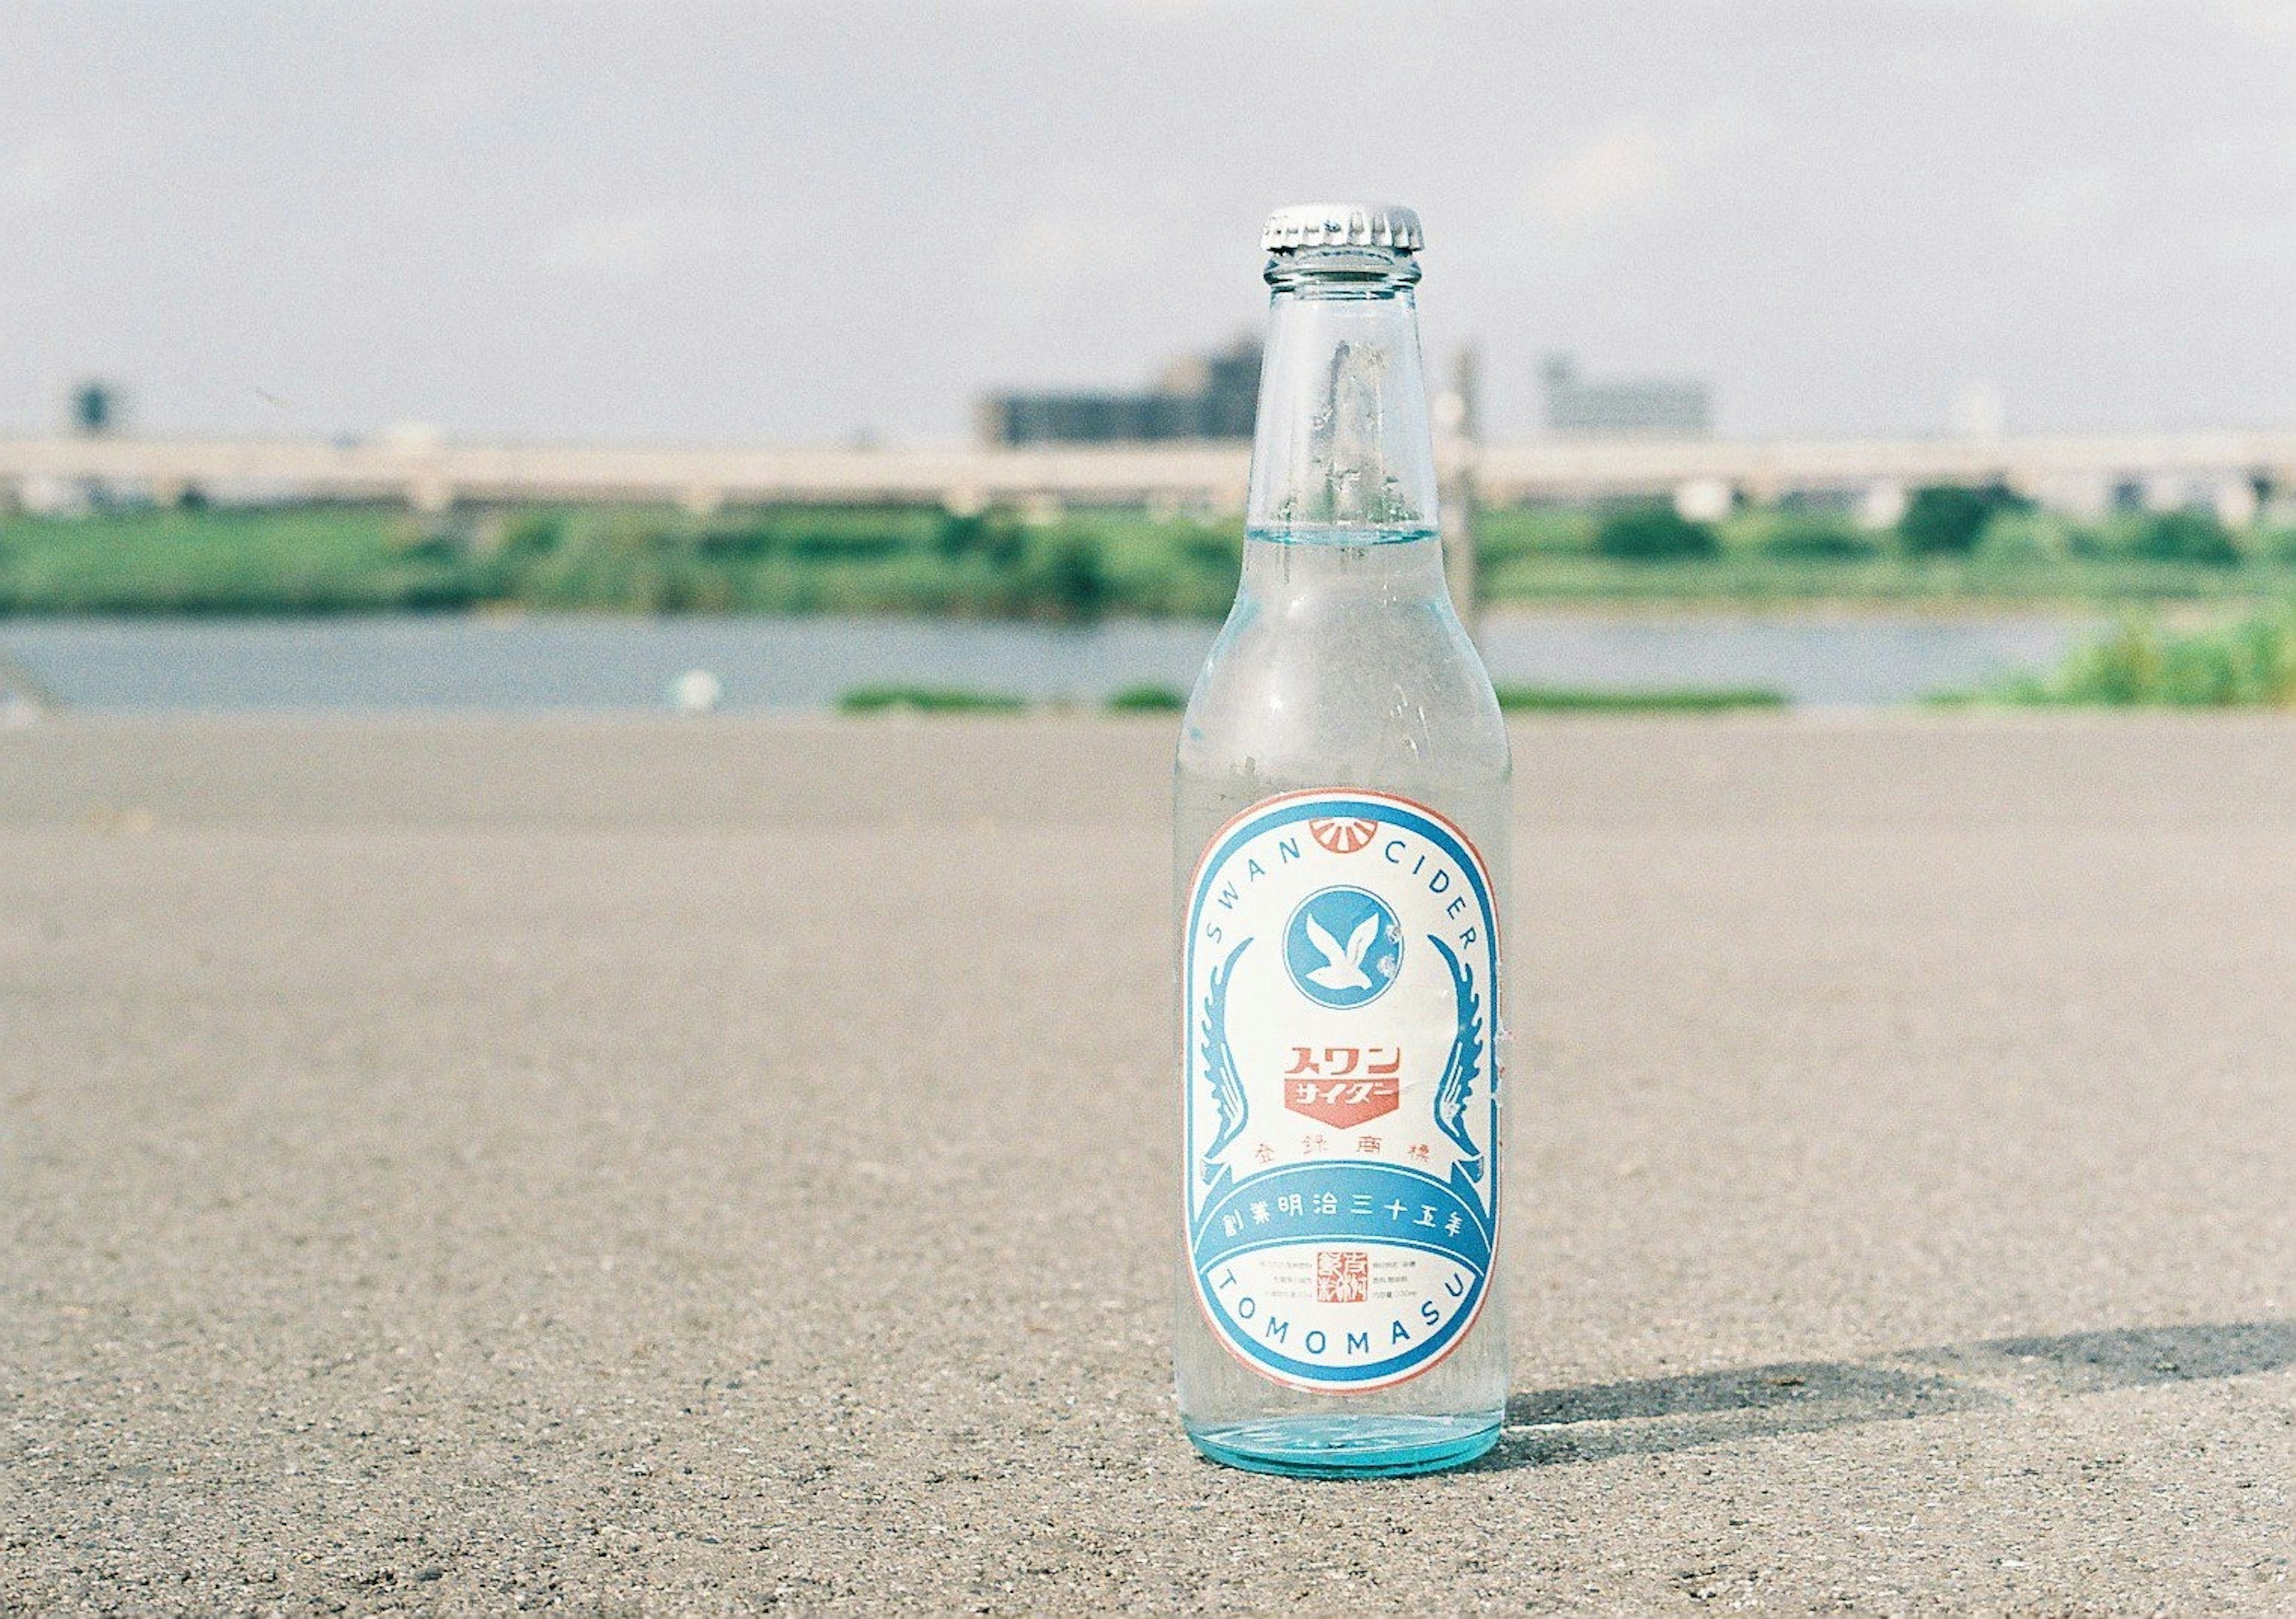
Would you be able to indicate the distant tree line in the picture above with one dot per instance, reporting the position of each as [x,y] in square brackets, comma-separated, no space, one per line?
[1075,565]
[1939,520]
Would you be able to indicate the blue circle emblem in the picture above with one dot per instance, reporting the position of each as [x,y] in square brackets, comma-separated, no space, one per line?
[1343,947]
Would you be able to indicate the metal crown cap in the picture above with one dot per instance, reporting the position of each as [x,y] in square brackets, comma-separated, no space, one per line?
[1340,225]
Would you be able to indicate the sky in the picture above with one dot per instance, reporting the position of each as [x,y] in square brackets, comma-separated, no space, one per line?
[803,223]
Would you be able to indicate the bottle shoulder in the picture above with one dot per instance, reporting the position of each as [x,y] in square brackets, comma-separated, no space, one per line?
[1326,690]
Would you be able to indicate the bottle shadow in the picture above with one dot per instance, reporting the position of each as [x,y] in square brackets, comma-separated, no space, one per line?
[1655,1416]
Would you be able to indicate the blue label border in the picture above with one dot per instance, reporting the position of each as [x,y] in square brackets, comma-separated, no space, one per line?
[1268,815]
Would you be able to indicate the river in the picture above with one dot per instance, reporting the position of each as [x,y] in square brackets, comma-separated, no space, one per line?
[556,662]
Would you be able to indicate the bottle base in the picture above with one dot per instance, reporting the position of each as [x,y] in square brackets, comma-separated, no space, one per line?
[1347,1447]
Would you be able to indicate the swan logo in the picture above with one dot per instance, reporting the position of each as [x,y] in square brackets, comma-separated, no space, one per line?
[1343,947]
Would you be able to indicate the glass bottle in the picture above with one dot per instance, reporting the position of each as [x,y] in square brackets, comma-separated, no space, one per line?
[1341,862]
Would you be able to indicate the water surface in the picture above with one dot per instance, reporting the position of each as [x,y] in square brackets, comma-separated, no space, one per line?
[550,662]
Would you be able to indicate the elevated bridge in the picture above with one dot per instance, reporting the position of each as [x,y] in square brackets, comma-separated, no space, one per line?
[433,474]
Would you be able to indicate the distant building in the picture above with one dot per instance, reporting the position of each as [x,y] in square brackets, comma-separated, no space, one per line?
[1655,407]
[1210,396]
[94,408]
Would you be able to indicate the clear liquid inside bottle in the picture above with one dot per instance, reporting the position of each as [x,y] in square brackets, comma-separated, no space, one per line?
[1343,669]
[1343,665]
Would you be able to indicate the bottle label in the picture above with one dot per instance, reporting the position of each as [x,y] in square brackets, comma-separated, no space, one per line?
[1341,972]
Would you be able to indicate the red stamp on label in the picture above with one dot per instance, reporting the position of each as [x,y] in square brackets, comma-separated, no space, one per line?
[1342,1276]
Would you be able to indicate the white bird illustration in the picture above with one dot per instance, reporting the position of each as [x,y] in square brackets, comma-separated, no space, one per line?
[1342,968]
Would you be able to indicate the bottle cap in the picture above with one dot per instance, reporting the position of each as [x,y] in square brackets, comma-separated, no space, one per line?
[1340,225]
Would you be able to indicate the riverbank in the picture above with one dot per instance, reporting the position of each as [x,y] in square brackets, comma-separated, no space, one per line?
[455,1166]
[1074,568]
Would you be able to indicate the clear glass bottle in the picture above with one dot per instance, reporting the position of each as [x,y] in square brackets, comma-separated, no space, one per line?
[1342,855]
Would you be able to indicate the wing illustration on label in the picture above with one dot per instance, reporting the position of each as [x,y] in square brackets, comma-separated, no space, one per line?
[1220,1068]
[1458,1082]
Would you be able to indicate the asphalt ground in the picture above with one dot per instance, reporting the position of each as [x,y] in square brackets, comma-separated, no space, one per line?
[645,1167]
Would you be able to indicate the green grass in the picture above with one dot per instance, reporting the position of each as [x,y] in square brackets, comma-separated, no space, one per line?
[1767,556]
[1690,699]
[927,700]
[1757,581]
[1074,568]
[301,561]
[1166,700]
[2248,664]
[1148,700]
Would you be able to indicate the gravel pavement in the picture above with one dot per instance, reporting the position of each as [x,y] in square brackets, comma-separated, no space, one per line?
[629,1166]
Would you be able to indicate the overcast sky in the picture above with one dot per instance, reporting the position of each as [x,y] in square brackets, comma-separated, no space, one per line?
[796,223]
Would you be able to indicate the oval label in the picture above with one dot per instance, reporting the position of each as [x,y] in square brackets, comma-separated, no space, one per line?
[1338,985]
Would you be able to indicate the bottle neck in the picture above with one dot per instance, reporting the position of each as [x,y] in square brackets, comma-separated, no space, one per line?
[1342,452]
